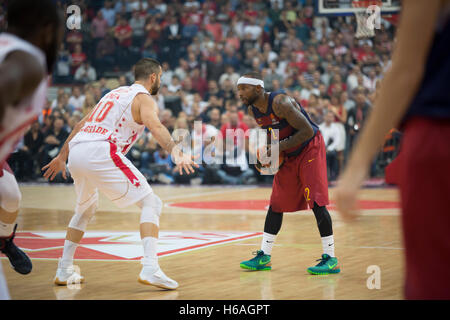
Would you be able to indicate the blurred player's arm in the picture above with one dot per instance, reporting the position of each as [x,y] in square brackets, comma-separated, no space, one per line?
[58,164]
[397,89]
[20,73]
[284,107]
[148,113]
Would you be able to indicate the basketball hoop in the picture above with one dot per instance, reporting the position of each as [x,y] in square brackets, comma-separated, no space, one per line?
[360,6]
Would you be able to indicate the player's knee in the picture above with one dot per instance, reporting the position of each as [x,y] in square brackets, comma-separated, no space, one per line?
[153,201]
[84,214]
[151,207]
[10,198]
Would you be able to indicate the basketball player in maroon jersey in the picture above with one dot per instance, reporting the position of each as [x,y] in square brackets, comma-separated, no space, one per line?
[301,181]
[415,96]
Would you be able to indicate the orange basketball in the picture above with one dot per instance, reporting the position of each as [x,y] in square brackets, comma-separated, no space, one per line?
[268,167]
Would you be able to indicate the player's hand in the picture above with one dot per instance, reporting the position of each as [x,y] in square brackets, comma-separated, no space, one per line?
[184,161]
[55,166]
[345,194]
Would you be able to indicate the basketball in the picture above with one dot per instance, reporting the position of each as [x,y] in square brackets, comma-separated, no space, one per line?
[265,166]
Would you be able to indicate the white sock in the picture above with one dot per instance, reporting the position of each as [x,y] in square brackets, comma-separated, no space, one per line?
[6,229]
[68,252]
[150,252]
[267,243]
[328,245]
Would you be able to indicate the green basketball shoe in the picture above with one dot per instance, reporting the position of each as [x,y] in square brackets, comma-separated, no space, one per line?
[259,263]
[326,265]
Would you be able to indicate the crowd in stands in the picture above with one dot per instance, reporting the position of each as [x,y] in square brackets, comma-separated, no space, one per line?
[204,46]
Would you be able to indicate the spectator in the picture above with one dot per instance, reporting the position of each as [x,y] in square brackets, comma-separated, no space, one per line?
[268,54]
[172,39]
[199,83]
[85,73]
[53,141]
[253,29]
[229,74]
[190,30]
[214,28]
[78,57]
[309,73]
[77,99]
[370,82]
[232,125]
[214,118]
[74,38]
[88,104]
[34,140]
[163,165]
[231,57]
[215,68]
[331,135]
[235,169]
[153,29]
[63,64]
[137,24]
[103,86]
[105,53]
[356,117]
[99,27]
[352,79]
[213,90]
[19,161]
[123,34]
[167,74]
[109,13]
[182,70]
[316,108]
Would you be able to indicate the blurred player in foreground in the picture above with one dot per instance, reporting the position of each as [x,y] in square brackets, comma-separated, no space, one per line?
[415,96]
[28,51]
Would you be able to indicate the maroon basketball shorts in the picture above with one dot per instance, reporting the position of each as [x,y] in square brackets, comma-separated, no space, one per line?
[302,180]
[424,181]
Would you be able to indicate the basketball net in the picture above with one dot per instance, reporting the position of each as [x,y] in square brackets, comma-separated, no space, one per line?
[362,30]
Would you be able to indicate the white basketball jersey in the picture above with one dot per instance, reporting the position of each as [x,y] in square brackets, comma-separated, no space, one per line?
[17,120]
[111,120]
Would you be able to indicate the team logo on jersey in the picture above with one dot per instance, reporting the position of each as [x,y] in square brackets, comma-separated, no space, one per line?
[274,119]
[105,245]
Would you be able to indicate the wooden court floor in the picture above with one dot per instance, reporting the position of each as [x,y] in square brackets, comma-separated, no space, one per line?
[212,271]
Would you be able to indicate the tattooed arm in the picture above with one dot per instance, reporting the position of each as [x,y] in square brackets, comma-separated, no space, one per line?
[286,108]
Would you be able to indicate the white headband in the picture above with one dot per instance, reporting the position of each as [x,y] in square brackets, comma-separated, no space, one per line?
[252,81]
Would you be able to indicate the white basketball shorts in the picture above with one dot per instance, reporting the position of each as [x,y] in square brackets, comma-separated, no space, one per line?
[98,165]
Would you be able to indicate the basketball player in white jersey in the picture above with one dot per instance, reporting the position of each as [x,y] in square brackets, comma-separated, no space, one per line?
[27,53]
[96,150]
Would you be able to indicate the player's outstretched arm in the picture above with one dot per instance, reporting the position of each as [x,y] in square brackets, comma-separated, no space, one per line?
[20,73]
[58,164]
[414,37]
[285,107]
[148,111]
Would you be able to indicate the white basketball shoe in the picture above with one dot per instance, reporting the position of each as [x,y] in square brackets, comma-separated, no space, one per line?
[67,274]
[151,275]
